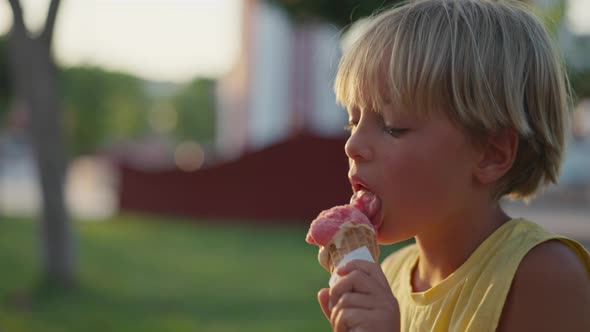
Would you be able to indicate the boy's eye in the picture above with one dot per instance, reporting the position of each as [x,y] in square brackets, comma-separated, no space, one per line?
[396,132]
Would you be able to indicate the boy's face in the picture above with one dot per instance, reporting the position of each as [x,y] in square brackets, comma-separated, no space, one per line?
[421,168]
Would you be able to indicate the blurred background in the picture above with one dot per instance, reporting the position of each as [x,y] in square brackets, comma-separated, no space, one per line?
[160,160]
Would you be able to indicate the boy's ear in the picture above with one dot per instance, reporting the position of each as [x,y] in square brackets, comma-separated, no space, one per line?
[497,156]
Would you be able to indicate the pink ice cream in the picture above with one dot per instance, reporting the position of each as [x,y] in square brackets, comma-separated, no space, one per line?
[344,228]
[328,223]
[363,207]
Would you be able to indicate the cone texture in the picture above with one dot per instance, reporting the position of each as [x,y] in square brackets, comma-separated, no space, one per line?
[353,238]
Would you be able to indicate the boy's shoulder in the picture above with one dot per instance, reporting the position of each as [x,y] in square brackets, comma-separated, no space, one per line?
[551,289]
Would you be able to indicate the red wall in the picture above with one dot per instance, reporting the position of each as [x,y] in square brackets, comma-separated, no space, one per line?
[290,181]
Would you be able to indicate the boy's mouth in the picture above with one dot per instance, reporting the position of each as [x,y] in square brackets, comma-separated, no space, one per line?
[369,203]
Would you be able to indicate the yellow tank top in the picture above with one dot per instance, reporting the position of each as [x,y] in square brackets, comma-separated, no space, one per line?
[471,298]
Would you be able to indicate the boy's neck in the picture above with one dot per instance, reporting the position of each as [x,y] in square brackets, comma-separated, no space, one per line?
[444,249]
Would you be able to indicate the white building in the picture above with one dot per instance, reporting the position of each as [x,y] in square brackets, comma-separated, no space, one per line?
[282,83]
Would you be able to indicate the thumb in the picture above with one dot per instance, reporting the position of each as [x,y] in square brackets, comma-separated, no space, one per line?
[323,299]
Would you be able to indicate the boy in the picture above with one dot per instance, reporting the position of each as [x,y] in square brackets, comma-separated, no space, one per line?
[454,104]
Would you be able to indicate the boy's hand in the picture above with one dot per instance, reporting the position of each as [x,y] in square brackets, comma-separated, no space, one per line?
[361,300]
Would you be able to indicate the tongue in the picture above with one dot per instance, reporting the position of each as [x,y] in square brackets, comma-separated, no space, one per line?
[367,202]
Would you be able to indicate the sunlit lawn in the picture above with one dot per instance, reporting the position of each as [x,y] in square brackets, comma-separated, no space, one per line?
[159,274]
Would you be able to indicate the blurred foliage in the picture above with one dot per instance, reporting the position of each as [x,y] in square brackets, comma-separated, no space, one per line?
[101,106]
[195,107]
[339,12]
[344,12]
[552,15]
[580,82]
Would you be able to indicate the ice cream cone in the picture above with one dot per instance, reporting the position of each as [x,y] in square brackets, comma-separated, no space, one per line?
[352,239]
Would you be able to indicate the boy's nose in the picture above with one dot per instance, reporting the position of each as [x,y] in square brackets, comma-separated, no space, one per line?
[356,148]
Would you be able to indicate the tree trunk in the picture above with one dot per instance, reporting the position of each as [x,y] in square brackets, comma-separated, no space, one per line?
[35,77]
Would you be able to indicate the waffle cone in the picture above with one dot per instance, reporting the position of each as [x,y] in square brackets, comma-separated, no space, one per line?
[352,239]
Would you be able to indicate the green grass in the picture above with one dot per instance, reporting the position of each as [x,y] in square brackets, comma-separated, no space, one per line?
[161,274]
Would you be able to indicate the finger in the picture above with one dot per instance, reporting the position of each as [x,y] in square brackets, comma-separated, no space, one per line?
[347,319]
[323,299]
[355,300]
[354,282]
[372,269]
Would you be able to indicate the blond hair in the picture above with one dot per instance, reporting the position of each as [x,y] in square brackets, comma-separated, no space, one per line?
[489,65]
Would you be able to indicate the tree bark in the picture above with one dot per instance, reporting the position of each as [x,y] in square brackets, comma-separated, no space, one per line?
[35,78]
